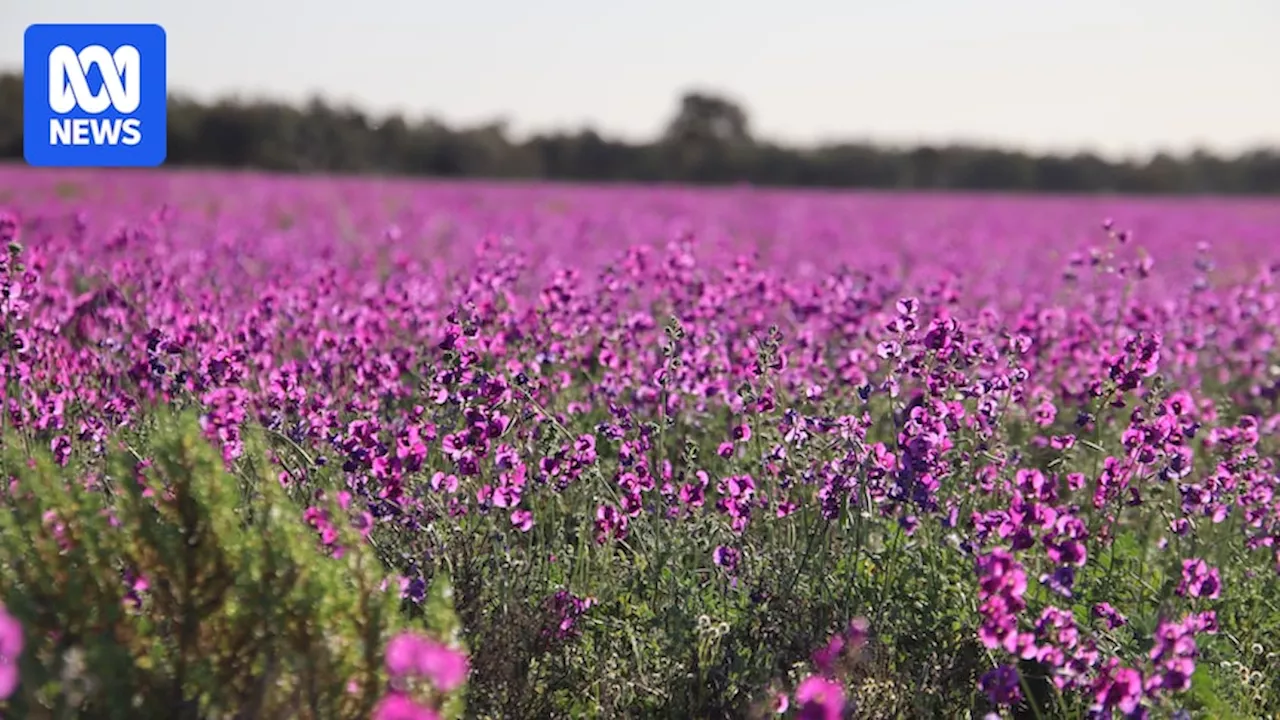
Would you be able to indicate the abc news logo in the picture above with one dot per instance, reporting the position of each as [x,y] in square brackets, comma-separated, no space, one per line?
[94,95]
[69,90]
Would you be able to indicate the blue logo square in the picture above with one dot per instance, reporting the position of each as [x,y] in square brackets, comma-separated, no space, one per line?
[94,96]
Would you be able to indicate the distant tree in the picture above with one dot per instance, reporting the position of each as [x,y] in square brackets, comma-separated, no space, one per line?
[704,118]
[10,116]
[925,169]
[707,140]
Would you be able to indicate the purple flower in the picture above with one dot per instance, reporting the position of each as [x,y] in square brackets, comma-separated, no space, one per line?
[565,610]
[727,558]
[1002,685]
[1060,581]
[1109,615]
[1199,580]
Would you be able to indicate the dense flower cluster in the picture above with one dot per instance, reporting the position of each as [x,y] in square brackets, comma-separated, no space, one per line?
[993,428]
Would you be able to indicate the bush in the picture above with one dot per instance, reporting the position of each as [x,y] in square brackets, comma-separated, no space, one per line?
[169,587]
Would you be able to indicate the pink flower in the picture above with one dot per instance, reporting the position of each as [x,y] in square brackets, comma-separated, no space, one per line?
[446,668]
[1118,687]
[409,654]
[819,699]
[400,707]
[824,658]
[857,632]
[1199,580]
[522,520]
[11,644]
[402,655]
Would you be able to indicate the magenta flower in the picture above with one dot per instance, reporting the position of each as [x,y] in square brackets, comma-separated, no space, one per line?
[1109,615]
[1118,687]
[522,520]
[1199,580]
[412,655]
[11,644]
[824,658]
[402,655]
[446,668]
[819,699]
[396,706]
[850,641]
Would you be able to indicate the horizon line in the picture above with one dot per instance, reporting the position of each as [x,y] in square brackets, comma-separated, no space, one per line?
[334,101]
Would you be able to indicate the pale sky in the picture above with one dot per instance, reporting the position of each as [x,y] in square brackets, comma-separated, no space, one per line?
[1114,76]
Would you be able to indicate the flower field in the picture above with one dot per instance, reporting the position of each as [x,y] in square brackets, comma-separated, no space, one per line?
[337,448]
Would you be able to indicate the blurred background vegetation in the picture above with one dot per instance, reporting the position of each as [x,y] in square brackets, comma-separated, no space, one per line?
[707,140]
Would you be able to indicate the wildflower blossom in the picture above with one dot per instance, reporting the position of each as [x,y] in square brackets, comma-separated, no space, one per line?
[11,646]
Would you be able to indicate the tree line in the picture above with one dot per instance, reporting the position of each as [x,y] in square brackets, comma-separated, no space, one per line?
[707,140]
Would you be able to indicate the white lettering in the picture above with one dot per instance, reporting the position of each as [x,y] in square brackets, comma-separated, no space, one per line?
[59,132]
[132,131]
[95,131]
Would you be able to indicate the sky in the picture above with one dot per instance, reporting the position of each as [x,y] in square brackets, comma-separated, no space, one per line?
[1117,77]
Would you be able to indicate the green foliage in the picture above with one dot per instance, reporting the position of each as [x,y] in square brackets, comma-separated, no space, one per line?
[243,616]
[442,622]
